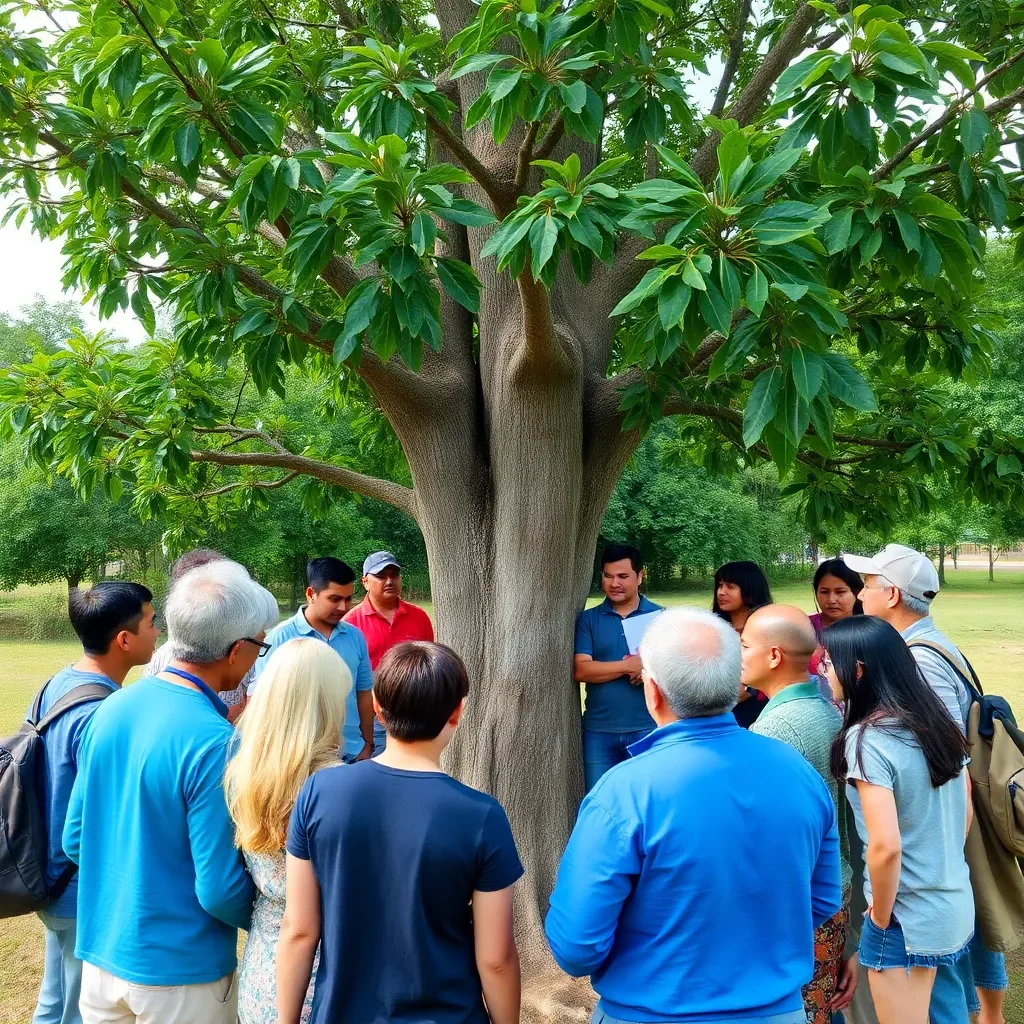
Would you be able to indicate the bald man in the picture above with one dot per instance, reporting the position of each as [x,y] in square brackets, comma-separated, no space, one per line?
[776,647]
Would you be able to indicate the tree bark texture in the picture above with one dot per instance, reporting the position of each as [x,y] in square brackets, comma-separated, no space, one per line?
[942,562]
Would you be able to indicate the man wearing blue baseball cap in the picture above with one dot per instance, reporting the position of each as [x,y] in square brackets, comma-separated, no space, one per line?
[384,618]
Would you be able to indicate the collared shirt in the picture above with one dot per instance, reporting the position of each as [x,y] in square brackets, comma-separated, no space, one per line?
[618,705]
[408,623]
[663,896]
[938,674]
[350,644]
[800,716]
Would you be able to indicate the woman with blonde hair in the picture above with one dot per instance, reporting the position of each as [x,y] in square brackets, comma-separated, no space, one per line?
[290,729]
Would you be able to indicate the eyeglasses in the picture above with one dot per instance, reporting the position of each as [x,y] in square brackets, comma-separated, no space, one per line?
[265,649]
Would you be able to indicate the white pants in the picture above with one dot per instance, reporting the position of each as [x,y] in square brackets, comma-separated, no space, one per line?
[109,1000]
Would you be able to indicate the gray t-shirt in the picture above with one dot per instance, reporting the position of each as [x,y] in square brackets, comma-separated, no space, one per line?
[934,901]
[937,672]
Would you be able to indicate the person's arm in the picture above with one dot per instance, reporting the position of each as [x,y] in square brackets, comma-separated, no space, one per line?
[826,879]
[597,874]
[943,681]
[300,935]
[586,670]
[71,839]
[497,959]
[883,856]
[363,682]
[223,886]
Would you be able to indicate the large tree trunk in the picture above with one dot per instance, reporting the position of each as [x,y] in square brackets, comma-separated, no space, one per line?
[942,562]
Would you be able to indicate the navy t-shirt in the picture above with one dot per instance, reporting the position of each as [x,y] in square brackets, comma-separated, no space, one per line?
[618,705]
[398,855]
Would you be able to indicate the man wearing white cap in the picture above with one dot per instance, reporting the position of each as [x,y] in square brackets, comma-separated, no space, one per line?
[899,586]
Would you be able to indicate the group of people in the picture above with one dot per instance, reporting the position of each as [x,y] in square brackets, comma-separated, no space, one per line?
[286,779]
[875,699]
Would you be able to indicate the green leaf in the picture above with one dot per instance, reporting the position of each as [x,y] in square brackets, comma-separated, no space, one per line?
[475,62]
[837,230]
[648,283]
[806,369]
[760,408]
[673,299]
[502,81]
[459,281]
[846,384]
[1007,465]
[767,172]
[786,221]
[909,230]
[359,311]
[543,237]
[732,151]
[278,198]
[715,309]
[975,128]
[574,96]
[213,55]
[187,144]
[423,233]
[757,291]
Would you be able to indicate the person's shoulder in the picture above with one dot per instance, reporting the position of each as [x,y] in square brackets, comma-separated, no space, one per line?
[285,630]
[356,615]
[67,679]
[647,605]
[416,612]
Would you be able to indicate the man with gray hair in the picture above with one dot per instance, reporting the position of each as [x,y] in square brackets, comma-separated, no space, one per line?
[162,888]
[234,699]
[699,868]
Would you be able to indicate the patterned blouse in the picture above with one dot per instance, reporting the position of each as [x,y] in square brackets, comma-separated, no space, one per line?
[257,985]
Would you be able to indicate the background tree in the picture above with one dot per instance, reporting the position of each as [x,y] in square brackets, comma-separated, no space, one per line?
[467,215]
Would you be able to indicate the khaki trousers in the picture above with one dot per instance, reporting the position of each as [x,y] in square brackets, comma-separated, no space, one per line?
[109,1000]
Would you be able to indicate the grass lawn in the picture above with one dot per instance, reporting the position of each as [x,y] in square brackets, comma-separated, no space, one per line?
[983,618]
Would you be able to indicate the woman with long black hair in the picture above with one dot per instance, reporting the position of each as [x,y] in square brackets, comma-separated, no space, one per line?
[902,758]
[740,589]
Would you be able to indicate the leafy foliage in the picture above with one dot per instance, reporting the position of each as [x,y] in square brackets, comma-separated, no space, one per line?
[314,189]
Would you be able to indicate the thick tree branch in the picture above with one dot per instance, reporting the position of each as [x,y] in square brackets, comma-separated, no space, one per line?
[402,498]
[497,191]
[541,349]
[752,98]
[551,139]
[525,156]
[733,61]
[952,111]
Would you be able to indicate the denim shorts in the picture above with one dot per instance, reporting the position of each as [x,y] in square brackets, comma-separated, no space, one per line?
[884,948]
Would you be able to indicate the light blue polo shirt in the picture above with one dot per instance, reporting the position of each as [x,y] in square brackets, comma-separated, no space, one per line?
[350,644]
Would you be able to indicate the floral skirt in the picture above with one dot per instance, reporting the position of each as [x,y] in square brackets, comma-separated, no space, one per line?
[829,943]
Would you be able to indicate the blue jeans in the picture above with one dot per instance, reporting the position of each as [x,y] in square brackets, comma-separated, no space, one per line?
[62,973]
[796,1017]
[982,968]
[604,750]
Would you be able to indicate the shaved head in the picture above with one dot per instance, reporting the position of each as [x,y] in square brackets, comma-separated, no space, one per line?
[783,626]
[777,644]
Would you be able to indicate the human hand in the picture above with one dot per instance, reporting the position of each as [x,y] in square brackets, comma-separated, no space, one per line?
[366,753]
[876,922]
[846,984]
[634,669]
[235,710]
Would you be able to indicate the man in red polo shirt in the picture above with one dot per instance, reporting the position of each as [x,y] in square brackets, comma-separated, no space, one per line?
[384,618]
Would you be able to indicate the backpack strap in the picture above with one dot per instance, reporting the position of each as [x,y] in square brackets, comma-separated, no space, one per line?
[958,665]
[87,693]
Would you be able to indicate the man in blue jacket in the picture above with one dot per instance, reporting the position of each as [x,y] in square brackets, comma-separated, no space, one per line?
[699,868]
[162,888]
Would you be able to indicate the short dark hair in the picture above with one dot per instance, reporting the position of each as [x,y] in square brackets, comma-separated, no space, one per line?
[322,572]
[193,560]
[752,582]
[418,685]
[619,552]
[101,612]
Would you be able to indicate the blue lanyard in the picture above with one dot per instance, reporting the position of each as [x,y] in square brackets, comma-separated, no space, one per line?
[218,705]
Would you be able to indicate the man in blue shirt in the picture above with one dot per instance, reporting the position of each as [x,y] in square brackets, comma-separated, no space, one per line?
[162,888]
[331,585]
[699,869]
[115,622]
[615,714]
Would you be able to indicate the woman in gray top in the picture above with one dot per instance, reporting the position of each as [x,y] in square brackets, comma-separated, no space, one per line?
[903,759]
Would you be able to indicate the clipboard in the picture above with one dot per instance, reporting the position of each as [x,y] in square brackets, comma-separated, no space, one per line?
[635,626]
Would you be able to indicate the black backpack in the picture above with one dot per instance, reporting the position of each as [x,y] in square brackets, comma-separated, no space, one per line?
[23,839]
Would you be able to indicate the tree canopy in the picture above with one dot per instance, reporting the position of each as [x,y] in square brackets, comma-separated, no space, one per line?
[299,182]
